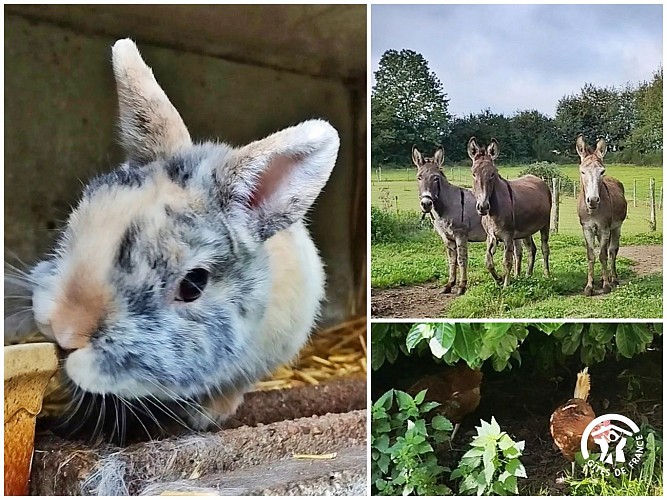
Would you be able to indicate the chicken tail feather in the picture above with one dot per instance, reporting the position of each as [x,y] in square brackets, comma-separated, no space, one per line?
[583,387]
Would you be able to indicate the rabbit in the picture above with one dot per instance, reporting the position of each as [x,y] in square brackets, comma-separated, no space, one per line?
[187,273]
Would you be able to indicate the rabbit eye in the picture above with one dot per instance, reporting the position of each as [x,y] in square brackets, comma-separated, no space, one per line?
[192,285]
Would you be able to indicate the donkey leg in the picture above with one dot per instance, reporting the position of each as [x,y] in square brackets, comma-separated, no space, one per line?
[491,244]
[589,236]
[544,235]
[605,236]
[462,245]
[530,244]
[518,251]
[451,257]
[614,243]
[507,260]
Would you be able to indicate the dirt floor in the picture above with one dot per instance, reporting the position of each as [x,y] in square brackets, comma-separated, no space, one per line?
[523,399]
[427,300]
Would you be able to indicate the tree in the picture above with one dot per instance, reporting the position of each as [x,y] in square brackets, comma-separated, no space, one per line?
[646,135]
[596,112]
[408,106]
[534,136]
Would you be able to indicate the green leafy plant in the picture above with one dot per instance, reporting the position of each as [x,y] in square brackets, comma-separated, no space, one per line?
[403,461]
[548,171]
[492,464]
[500,343]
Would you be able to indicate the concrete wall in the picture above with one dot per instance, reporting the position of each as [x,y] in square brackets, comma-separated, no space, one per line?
[60,113]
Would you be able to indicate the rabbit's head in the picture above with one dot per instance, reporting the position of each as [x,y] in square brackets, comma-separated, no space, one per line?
[160,278]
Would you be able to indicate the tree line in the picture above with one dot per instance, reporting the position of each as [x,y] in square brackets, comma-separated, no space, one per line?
[409,106]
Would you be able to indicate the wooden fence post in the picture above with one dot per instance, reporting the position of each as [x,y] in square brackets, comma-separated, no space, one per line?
[396,198]
[651,194]
[660,199]
[634,193]
[379,174]
[555,202]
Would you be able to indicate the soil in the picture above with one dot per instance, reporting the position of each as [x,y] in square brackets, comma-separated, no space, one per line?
[427,300]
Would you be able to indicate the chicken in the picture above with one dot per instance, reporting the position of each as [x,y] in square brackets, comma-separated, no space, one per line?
[569,421]
[456,388]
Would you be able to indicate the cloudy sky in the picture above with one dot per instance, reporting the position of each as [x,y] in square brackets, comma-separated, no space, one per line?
[511,57]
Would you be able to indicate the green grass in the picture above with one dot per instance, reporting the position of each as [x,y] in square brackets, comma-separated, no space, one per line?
[421,258]
[647,480]
[402,184]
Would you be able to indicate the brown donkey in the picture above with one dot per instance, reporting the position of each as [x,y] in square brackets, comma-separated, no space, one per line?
[455,219]
[602,209]
[510,210]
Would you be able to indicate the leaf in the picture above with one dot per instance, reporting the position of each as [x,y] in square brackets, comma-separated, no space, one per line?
[547,328]
[404,400]
[381,443]
[625,340]
[467,344]
[441,423]
[456,473]
[386,400]
[428,406]
[496,330]
[391,352]
[419,398]
[572,341]
[515,467]
[378,331]
[473,452]
[436,348]
[377,356]
[489,468]
[417,333]
[510,485]
[642,332]
[601,333]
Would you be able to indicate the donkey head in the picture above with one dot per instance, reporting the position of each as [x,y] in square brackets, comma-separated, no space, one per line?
[430,177]
[591,170]
[484,172]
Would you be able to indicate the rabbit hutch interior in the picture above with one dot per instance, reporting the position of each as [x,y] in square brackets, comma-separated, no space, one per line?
[235,74]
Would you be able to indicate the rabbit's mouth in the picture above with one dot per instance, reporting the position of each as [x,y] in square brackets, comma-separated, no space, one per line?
[83,367]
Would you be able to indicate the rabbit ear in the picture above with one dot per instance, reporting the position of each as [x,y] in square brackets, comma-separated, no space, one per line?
[150,126]
[278,178]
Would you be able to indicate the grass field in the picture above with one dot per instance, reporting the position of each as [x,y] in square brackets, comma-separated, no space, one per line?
[403,184]
[420,258]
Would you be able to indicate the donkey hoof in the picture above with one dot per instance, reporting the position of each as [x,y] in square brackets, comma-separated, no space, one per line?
[448,288]
[606,288]
[462,290]
[614,282]
[588,291]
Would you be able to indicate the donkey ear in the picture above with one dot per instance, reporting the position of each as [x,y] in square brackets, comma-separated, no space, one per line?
[417,157]
[277,179]
[493,149]
[473,148]
[439,156]
[601,148]
[150,126]
[581,146]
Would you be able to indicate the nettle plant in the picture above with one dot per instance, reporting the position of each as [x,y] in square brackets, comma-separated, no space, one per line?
[403,461]
[492,465]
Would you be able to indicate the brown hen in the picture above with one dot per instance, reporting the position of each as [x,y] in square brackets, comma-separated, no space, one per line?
[456,388]
[569,421]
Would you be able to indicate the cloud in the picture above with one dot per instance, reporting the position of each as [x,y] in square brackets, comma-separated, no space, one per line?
[512,57]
